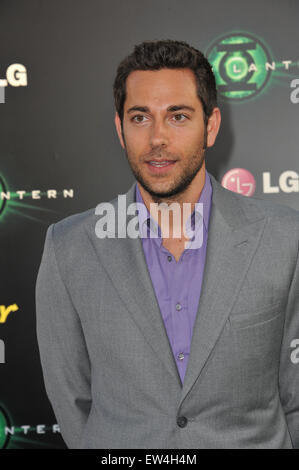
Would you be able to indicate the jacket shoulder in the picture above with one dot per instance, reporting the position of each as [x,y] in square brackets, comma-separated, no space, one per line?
[75,222]
[70,232]
[240,210]
[253,208]
[267,208]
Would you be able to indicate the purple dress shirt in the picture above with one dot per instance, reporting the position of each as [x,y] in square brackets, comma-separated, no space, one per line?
[177,284]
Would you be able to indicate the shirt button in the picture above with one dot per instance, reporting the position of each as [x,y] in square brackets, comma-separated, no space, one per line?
[169,258]
[182,421]
[181,356]
[178,307]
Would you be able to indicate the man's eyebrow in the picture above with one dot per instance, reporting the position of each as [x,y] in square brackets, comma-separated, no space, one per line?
[142,109]
[178,107]
[145,109]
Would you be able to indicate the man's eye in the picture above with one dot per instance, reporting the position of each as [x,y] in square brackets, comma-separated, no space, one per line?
[137,116]
[180,120]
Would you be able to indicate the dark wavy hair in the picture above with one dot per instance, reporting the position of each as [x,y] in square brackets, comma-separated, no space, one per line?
[155,55]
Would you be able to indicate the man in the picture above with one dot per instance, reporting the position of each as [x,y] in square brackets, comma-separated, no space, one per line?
[154,342]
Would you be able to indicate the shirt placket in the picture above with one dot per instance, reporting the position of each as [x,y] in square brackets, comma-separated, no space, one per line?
[179,310]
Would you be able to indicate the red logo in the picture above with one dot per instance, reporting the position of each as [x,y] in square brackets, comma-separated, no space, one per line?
[240,181]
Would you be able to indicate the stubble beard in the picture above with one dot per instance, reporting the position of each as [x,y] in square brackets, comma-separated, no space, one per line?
[181,183]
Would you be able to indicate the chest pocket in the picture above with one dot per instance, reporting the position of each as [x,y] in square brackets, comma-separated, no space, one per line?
[244,319]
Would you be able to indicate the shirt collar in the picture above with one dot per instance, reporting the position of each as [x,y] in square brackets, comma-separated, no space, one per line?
[146,222]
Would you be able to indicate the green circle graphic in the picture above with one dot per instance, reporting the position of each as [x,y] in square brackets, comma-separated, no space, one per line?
[4,422]
[2,201]
[238,62]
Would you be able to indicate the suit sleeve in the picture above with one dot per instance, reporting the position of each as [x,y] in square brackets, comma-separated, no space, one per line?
[289,366]
[63,352]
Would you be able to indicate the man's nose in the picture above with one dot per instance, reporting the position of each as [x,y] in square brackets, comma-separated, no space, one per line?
[159,134]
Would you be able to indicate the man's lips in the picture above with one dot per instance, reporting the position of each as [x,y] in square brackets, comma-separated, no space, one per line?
[160,166]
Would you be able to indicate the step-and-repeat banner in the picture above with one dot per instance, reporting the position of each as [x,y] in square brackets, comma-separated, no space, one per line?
[59,151]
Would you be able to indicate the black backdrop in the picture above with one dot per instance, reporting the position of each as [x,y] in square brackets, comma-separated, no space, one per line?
[57,133]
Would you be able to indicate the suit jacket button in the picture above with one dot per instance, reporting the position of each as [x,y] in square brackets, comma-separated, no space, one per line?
[182,421]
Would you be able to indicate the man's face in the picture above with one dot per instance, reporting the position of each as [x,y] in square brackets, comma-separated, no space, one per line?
[163,130]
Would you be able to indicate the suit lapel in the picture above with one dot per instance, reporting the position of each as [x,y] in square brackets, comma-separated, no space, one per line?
[124,261]
[233,238]
[232,242]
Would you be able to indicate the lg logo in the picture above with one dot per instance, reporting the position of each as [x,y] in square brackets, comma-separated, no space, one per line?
[16,75]
[287,183]
[242,181]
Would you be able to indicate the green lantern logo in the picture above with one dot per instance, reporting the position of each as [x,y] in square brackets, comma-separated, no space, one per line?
[2,201]
[4,422]
[239,65]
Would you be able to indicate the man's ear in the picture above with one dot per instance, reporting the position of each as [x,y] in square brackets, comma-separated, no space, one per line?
[118,129]
[213,126]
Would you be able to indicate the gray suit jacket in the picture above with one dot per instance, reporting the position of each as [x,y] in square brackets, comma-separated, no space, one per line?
[108,366]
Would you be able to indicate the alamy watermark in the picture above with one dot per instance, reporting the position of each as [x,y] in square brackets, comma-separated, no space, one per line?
[173,220]
[295,352]
[295,93]
[2,352]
